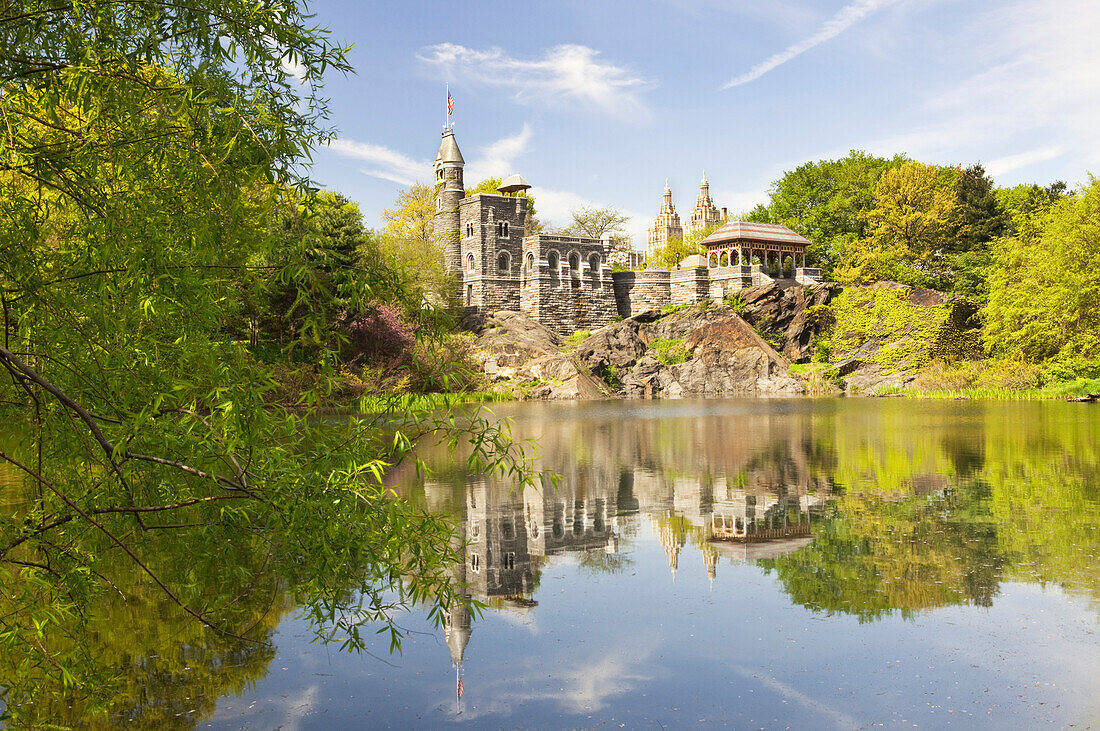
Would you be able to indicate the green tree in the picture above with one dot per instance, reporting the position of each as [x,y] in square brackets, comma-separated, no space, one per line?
[490,185]
[594,223]
[146,145]
[1044,283]
[909,229]
[826,201]
[979,219]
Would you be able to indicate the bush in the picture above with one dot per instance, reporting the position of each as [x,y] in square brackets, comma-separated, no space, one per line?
[380,335]
[577,337]
[669,351]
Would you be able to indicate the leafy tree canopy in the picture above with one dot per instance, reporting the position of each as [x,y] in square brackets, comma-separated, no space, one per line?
[144,217]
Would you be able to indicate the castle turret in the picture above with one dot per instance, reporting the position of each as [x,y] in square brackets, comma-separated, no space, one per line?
[666,226]
[449,191]
[705,214]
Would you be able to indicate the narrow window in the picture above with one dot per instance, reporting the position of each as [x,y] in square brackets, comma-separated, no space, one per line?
[475,563]
[509,561]
[470,265]
[504,262]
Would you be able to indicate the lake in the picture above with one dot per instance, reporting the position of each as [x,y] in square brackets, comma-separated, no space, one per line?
[833,563]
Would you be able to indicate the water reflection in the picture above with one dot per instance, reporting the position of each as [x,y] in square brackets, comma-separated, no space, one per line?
[857,508]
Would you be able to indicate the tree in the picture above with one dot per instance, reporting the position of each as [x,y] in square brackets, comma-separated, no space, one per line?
[826,201]
[409,241]
[491,185]
[147,148]
[1044,283]
[909,228]
[594,223]
[979,219]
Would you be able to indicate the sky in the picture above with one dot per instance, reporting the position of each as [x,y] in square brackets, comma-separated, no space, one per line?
[598,102]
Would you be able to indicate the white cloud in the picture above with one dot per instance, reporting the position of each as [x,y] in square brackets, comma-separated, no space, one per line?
[495,159]
[1039,90]
[554,208]
[498,158]
[385,163]
[848,16]
[568,74]
[1006,164]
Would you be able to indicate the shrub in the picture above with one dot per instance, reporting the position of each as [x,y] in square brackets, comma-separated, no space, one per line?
[577,337]
[669,351]
[379,335]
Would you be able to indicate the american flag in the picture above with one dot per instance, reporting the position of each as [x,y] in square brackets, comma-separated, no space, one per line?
[450,103]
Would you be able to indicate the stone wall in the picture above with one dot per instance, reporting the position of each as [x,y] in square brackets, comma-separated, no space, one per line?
[636,292]
[807,275]
[688,286]
[727,280]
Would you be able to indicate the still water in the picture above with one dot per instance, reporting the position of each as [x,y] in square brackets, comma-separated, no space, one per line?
[757,564]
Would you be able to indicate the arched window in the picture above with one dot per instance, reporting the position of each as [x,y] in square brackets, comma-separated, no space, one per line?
[439,174]
[475,563]
[470,263]
[552,260]
[509,561]
[469,230]
[575,263]
[530,261]
[502,228]
[594,262]
[504,262]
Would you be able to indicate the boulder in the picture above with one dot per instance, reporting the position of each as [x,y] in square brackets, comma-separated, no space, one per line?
[780,312]
[726,357]
[513,347]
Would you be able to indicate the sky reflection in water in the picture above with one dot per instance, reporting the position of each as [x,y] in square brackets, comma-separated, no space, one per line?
[953,577]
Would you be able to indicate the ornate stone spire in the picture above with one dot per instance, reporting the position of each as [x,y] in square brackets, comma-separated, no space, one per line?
[667,224]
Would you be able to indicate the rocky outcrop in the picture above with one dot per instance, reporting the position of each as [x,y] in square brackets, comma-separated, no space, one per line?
[781,314]
[511,347]
[724,356]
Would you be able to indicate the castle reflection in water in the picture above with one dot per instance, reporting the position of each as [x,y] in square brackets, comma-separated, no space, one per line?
[509,534]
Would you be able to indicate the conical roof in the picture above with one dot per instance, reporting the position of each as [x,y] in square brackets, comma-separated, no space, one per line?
[513,184]
[448,149]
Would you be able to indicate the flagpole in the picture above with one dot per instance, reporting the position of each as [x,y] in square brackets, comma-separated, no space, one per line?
[447,102]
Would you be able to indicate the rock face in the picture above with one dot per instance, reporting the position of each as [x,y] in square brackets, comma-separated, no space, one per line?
[779,311]
[513,347]
[725,357]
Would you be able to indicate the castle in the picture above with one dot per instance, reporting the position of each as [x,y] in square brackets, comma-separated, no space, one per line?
[565,282]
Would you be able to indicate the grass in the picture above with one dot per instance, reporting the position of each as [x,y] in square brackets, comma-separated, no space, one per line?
[577,337]
[421,401]
[673,309]
[669,351]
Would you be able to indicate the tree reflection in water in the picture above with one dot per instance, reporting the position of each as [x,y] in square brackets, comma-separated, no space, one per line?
[863,508]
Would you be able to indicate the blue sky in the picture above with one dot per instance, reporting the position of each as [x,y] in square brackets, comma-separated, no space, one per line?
[598,102]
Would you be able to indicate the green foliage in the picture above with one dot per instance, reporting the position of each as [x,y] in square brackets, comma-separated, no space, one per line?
[826,201]
[148,150]
[611,377]
[673,309]
[594,223]
[669,351]
[884,317]
[1044,283]
[736,301]
[908,230]
[577,337]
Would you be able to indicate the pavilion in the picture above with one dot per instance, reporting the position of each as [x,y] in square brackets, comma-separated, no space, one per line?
[740,243]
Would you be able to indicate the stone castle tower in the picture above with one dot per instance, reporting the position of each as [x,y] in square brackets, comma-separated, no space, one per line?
[449,193]
[705,213]
[666,226]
